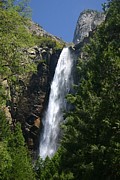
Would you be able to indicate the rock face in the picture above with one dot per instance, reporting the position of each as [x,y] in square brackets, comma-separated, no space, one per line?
[25,94]
[87,22]
[39,31]
[28,100]
[27,105]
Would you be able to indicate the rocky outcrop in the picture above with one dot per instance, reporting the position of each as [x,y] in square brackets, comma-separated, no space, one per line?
[28,104]
[36,29]
[87,22]
[27,100]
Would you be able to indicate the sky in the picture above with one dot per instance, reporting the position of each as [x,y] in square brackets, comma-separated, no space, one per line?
[59,17]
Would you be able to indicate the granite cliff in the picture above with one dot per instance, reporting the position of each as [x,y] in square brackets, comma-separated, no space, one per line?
[28,99]
[27,94]
[87,22]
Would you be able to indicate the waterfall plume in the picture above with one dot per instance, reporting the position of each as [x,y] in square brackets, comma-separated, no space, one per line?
[53,116]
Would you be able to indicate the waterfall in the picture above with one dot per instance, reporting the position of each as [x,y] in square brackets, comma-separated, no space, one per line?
[57,103]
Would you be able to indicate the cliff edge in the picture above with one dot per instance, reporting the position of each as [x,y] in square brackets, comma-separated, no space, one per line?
[87,22]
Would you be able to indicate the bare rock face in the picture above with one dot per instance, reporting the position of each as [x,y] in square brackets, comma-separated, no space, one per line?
[28,104]
[87,22]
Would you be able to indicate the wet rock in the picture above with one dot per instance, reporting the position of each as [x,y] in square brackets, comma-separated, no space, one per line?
[29,103]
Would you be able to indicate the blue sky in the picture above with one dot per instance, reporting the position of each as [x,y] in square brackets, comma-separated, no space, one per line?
[59,17]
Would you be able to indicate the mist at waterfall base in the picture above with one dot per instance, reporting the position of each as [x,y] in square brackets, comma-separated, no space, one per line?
[53,116]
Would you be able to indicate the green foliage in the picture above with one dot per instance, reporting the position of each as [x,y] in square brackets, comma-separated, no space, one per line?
[5,161]
[2,96]
[14,37]
[15,163]
[5,158]
[48,42]
[90,147]
[22,168]
[45,169]
[20,6]
[49,169]
[91,142]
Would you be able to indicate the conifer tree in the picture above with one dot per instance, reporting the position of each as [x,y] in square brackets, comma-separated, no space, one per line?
[21,164]
[15,163]
[91,142]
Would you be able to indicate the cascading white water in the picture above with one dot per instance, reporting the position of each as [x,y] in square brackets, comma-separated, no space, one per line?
[57,103]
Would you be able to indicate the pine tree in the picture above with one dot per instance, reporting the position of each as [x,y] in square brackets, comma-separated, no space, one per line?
[15,162]
[91,142]
[21,164]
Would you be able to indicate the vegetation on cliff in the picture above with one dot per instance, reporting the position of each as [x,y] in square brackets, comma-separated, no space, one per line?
[90,148]
[15,39]
[15,162]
